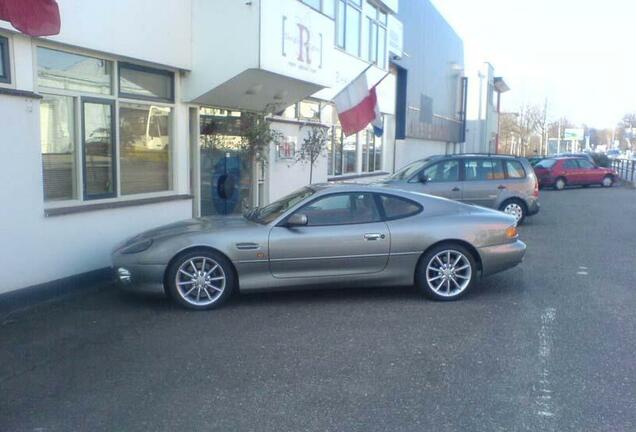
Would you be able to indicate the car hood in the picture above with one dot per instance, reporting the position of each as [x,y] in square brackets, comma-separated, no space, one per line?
[202,224]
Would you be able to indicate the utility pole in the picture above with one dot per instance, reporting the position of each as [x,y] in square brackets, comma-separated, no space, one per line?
[559,138]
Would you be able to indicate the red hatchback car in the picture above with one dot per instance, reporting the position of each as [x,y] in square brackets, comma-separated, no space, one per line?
[567,171]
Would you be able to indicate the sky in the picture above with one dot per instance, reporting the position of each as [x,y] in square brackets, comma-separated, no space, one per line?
[579,54]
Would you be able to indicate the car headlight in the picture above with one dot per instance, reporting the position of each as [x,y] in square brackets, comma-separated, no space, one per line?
[137,247]
[511,232]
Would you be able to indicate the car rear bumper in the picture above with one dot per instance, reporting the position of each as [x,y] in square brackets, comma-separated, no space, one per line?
[501,257]
[533,206]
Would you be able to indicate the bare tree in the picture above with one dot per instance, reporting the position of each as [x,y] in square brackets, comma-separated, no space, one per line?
[313,147]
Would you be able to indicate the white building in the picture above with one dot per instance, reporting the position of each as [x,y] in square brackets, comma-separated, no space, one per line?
[134,115]
[129,120]
[484,106]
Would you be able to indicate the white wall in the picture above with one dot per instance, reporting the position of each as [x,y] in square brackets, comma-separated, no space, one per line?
[156,31]
[36,249]
[411,149]
[287,175]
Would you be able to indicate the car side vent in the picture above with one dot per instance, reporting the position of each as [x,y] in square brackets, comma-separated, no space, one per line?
[247,246]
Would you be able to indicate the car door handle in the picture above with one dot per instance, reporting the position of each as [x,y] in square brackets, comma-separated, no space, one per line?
[500,187]
[373,236]
[455,189]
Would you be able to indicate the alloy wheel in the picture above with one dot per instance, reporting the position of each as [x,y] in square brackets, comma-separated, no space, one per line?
[200,281]
[448,273]
[560,184]
[514,209]
[607,181]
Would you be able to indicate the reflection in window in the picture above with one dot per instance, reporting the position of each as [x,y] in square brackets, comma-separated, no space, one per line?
[342,209]
[309,110]
[57,128]
[352,30]
[138,81]
[98,149]
[68,71]
[144,134]
[515,169]
[444,171]
[349,153]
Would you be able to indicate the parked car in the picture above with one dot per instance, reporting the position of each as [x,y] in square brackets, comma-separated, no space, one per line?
[505,183]
[536,159]
[578,155]
[613,153]
[568,171]
[324,235]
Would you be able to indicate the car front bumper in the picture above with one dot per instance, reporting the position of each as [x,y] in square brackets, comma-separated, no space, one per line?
[501,257]
[132,276]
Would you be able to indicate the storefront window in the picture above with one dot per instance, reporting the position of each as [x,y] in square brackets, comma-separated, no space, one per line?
[57,127]
[144,136]
[142,163]
[74,72]
[141,82]
[349,153]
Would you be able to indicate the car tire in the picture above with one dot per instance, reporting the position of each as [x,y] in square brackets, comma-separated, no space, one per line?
[442,282]
[200,279]
[560,183]
[515,207]
[608,181]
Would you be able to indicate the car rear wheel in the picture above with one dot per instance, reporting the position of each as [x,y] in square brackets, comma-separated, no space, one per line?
[608,181]
[516,208]
[200,280]
[446,272]
[560,183]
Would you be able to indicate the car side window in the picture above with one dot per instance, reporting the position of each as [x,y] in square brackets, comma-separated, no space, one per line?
[570,164]
[341,209]
[444,171]
[483,169]
[397,208]
[585,164]
[515,169]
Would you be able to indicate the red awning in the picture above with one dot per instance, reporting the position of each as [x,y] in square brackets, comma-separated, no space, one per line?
[32,17]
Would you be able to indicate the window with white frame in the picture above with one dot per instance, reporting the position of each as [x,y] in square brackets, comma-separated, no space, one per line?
[105,131]
[343,152]
[348,25]
[376,21]
[328,7]
[5,66]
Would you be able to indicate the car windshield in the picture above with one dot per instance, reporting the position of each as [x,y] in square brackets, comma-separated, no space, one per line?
[270,212]
[546,163]
[410,170]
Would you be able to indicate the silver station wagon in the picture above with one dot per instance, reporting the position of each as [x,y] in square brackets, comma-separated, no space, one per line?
[504,183]
[324,236]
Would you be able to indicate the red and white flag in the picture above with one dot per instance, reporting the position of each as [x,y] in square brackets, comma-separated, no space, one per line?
[32,17]
[356,105]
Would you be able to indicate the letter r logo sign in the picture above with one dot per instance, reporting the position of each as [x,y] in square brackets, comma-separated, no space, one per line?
[303,44]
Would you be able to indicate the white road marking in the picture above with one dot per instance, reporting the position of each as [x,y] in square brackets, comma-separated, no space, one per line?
[543,397]
[583,273]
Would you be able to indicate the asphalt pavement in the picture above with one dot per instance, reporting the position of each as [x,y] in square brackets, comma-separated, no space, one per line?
[547,346]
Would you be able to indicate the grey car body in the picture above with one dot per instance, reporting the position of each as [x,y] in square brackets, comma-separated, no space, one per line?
[500,182]
[274,255]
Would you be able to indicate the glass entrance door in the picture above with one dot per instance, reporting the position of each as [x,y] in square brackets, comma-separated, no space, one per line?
[226,171]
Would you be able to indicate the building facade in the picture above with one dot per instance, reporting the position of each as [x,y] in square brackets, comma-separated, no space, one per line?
[484,107]
[431,86]
[127,121]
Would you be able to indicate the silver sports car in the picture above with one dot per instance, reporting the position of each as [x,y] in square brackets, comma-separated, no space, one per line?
[324,235]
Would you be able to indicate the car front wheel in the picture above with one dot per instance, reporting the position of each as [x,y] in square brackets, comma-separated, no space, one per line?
[608,181]
[200,279]
[446,272]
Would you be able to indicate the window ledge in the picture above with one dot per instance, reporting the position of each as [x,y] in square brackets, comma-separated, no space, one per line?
[357,176]
[19,93]
[301,123]
[60,211]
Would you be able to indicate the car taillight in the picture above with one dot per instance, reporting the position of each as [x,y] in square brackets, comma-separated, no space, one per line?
[536,187]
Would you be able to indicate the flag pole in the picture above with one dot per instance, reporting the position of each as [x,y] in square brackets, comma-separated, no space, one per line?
[357,76]
[381,79]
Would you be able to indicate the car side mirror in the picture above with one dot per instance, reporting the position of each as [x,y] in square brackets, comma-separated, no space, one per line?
[423,178]
[297,219]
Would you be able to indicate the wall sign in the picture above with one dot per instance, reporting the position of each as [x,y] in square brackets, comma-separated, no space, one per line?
[287,148]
